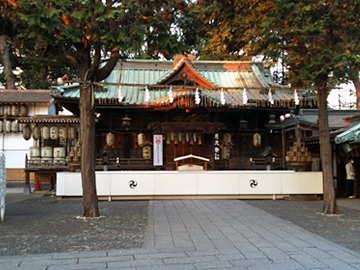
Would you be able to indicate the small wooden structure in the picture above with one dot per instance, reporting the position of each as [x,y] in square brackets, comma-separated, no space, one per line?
[51,155]
[188,167]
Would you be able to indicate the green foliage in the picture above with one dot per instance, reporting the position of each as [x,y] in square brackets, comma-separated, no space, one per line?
[314,38]
[135,28]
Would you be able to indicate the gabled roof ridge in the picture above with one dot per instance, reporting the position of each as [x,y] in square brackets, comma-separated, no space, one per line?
[176,67]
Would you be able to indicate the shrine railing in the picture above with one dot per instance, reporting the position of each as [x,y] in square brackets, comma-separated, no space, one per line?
[124,164]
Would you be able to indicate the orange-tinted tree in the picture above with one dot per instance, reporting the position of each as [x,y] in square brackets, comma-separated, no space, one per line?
[89,31]
[311,37]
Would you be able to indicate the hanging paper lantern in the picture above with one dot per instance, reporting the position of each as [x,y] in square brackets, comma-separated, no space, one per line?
[191,139]
[181,137]
[225,152]
[23,110]
[1,110]
[36,133]
[54,133]
[1,126]
[176,138]
[168,138]
[45,132]
[7,110]
[26,133]
[141,139]
[14,126]
[63,133]
[7,126]
[110,139]
[200,139]
[147,152]
[21,127]
[72,133]
[256,139]
[15,110]
[227,138]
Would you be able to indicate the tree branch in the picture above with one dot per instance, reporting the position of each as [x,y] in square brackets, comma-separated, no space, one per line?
[97,59]
[104,72]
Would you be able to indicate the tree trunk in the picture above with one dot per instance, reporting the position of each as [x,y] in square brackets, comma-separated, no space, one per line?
[87,130]
[8,74]
[329,199]
[356,83]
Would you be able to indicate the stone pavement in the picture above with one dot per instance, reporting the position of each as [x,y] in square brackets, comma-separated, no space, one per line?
[206,234]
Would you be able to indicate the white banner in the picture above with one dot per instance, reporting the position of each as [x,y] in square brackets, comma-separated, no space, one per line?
[158,150]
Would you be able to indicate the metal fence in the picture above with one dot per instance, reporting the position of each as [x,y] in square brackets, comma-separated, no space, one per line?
[2,184]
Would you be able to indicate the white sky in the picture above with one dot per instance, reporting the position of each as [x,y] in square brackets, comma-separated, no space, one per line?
[344,97]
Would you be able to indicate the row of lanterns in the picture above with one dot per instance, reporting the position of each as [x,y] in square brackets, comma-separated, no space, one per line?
[184,137]
[142,142]
[191,138]
[11,126]
[145,145]
[226,146]
[46,133]
[13,110]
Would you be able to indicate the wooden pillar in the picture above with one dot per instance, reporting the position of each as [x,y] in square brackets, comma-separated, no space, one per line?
[283,147]
[27,189]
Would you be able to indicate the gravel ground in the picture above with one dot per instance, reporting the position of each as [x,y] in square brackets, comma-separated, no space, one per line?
[37,225]
[343,229]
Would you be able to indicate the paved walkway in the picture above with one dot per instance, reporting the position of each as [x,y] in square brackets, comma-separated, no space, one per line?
[207,234]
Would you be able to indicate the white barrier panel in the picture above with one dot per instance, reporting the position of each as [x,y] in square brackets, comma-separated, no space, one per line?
[155,183]
[2,185]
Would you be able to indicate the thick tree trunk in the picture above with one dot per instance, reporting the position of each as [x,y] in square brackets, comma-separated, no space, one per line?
[329,200]
[8,74]
[87,130]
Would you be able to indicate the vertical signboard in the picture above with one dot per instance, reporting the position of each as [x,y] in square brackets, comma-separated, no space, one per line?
[216,147]
[158,150]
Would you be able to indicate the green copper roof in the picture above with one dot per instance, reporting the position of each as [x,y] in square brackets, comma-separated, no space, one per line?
[233,77]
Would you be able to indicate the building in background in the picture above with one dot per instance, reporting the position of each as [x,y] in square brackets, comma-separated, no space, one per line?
[13,105]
